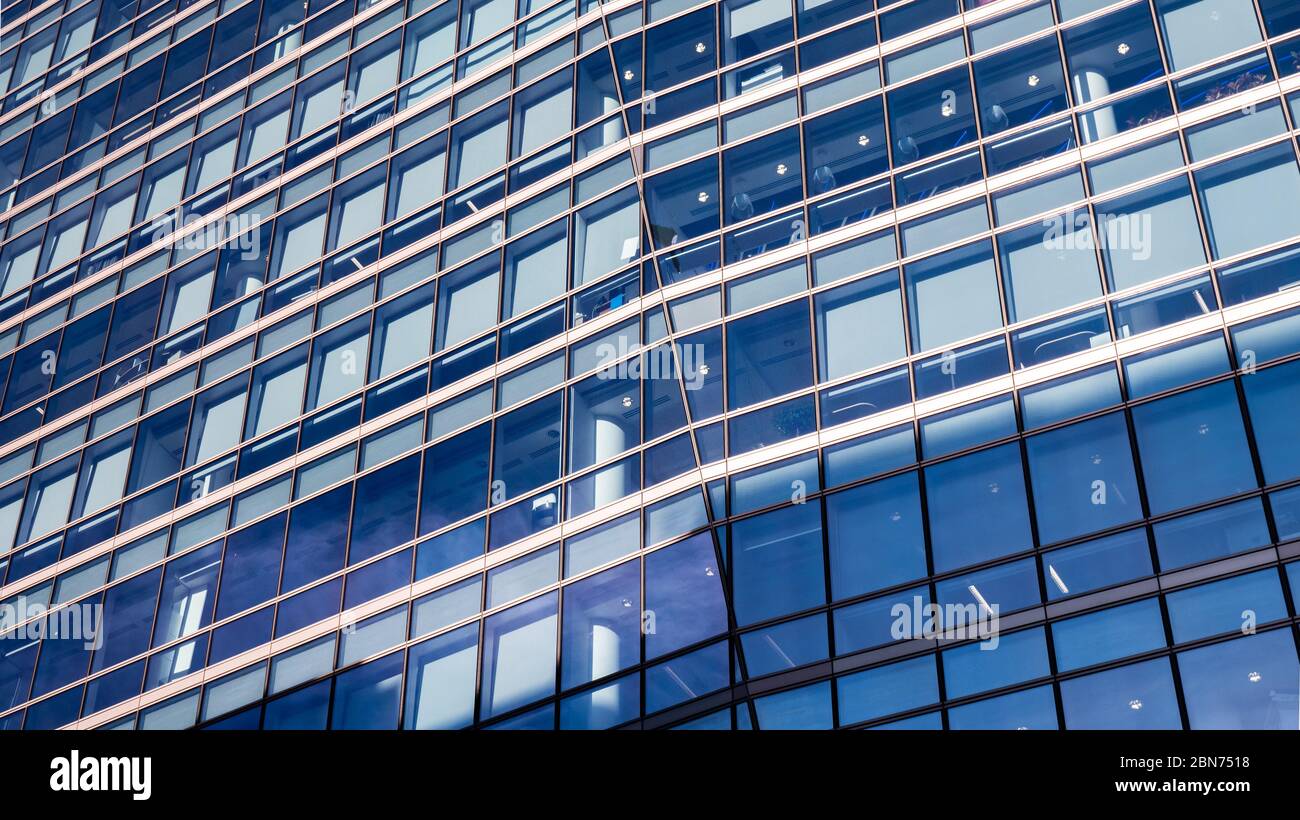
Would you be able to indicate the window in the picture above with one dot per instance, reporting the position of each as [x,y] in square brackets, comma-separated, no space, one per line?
[768,354]
[417,176]
[1097,564]
[1149,234]
[535,269]
[606,236]
[762,176]
[374,70]
[542,113]
[265,130]
[298,237]
[103,474]
[1193,447]
[403,332]
[931,116]
[467,301]
[369,696]
[440,680]
[684,591]
[478,145]
[979,667]
[218,413]
[845,146]
[1083,478]
[1242,684]
[952,296]
[1020,85]
[251,566]
[680,50]
[1049,266]
[338,362]
[519,655]
[887,690]
[1200,30]
[1093,49]
[1232,194]
[358,208]
[876,536]
[859,326]
[682,204]
[1219,608]
[276,395]
[777,563]
[1271,395]
[602,625]
[430,39]
[963,493]
[1140,696]
[751,27]
[185,607]
[385,510]
[1107,635]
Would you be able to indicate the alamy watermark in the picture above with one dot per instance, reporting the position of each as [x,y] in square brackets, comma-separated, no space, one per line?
[657,363]
[28,620]
[918,619]
[178,229]
[1119,232]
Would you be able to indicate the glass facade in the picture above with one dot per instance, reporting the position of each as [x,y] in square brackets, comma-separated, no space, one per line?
[657,363]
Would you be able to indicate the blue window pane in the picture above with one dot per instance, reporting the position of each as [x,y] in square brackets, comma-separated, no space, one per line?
[886,690]
[1140,696]
[519,655]
[868,455]
[762,176]
[1083,478]
[251,566]
[876,535]
[1213,533]
[681,204]
[806,708]
[603,707]
[455,479]
[785,646]
[369,696]
[1271,395]
[952,296]
[384,516]
[768,354]
[684,593]
[1030,709]
[440,681]
[777,563]
[687,677]
[934,115]
[1247,683]
[1193,447]
[1112,633]
[1008,587]
[985,665]
[966,492]
[525,448]
[1097,564]
[877,622]
[317,537]
[1226,606]
[602,625]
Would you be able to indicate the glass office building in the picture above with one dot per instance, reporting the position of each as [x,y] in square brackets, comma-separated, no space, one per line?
[654,363]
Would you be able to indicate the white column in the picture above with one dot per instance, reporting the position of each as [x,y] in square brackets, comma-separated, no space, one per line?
[1091,84]
[604,661]
[608,441]
[611,131]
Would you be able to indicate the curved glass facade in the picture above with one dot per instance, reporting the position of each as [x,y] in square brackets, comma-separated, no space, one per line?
[655,363]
